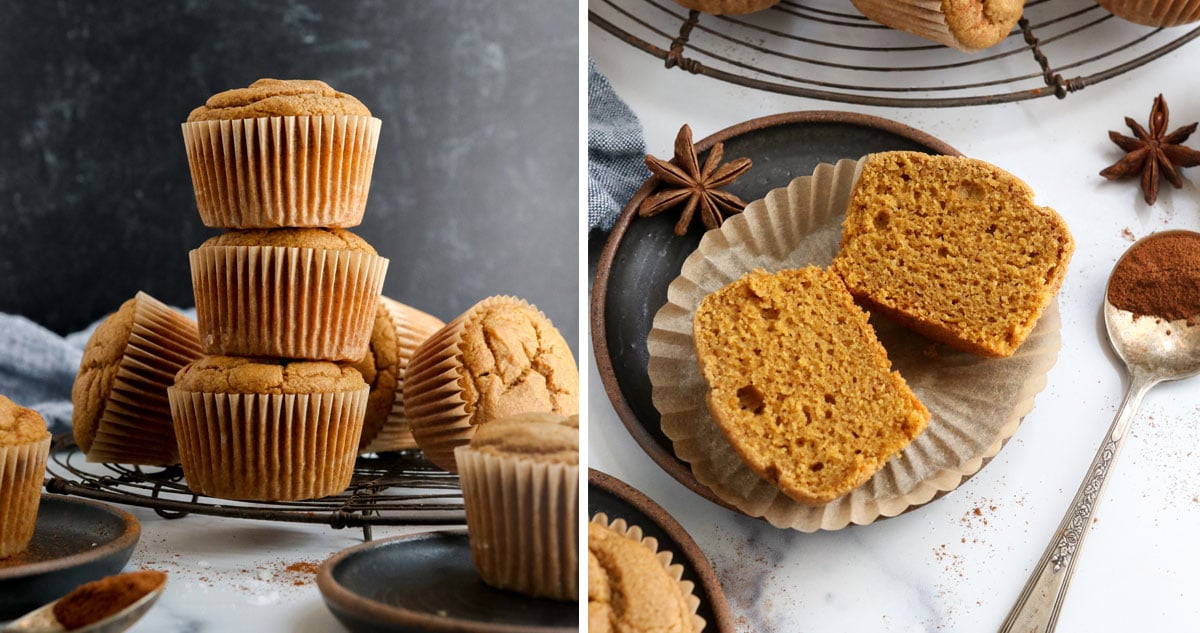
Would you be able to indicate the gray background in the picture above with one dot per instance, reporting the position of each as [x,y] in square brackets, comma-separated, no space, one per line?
[474,191]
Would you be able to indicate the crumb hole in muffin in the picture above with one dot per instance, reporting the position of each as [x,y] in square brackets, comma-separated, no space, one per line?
[750,399]
[881,219]
[770,313]
[817,467]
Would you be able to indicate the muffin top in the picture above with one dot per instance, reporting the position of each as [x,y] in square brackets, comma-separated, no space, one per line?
[629,589]
[513,361]
[98,370]
[541,437]
[236,374]
[279,97]
[20,425]
[321,238]
[381,369]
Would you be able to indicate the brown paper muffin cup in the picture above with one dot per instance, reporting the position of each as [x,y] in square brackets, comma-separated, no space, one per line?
[290,171]
[286,302]
[135,426]
[22,470]
[634,533]
[268,447]
[522,522]
[927,19]
[1154,12]
[413,327]
[433,400]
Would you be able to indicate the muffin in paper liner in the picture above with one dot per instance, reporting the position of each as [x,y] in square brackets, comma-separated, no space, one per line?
[120,393]
[675,571]
[444,402]
[522,521]
[1154,12]
[975,403]
[22,471]
[967,25]
[268,447]
[282,171]
[386,427]
[286,302]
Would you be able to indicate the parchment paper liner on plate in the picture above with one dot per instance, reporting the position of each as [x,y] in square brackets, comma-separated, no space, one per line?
[976,403]
[268,447]
[135,425]
[523,522]
[22,471]
[286,302]
[412,328]
[291,171]
[634,533]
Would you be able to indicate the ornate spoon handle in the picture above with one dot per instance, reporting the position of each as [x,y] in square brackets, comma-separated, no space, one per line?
[1036,609]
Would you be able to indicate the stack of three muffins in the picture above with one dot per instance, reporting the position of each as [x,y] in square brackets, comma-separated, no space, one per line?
[285,300]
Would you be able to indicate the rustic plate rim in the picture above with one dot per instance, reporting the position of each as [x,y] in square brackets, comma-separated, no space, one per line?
[127,539]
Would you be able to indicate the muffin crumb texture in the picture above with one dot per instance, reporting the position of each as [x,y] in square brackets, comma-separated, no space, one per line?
[800,385]
[515,361]
[629,590]
[235,374]
[540,437]
[20,425]
[953,248]
[279,97]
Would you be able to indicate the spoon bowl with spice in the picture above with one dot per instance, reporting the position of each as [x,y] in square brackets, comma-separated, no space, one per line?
[108,605]
[1152,316]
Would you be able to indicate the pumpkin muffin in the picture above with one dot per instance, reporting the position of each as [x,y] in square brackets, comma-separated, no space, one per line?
[121,414]
[24,447]
[968,25]
[727,7]
[398,330]
[520,481]
[499,358]
[267,430]
[281,153]
[287,293]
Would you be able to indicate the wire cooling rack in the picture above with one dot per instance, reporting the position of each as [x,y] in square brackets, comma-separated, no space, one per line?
[399,488]
[826,49]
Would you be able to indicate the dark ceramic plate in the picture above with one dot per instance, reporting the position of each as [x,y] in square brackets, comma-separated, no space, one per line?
[619,500]
[75,541]
[427,582]
[643,256]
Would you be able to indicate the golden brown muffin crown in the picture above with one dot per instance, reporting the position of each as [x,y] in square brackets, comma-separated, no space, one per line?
[322,238]
[541,437]
[629,589]
[279,97]
[97,371]
[236,374]
[20,425]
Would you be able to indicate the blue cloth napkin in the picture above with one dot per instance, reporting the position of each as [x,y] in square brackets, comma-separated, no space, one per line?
[616,152]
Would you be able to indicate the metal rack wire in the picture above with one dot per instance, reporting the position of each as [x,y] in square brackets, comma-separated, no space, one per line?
[826,49]
[391,489]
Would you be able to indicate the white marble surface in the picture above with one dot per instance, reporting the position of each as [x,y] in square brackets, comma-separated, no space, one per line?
[957,564]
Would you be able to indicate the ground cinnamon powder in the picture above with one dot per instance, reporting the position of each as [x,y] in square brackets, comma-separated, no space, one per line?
[1160,277]
[97,600]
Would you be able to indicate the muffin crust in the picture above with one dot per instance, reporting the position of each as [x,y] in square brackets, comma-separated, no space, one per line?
[236,374]
[540,437]
[279,97]
[20,425]
[97,372]
[629,589]
[322,238]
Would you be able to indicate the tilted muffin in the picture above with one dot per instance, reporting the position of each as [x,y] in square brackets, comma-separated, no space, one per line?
[954,248]
[398,330]
[727,7]
[968,25]
[281,153]
[799,384]
[121,414]
[287,293]
[499,358]
[632,586]
[1154,12]
[267,430]
[24,447]
[520,481]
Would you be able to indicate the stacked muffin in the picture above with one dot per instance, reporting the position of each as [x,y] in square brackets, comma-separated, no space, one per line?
[286,300]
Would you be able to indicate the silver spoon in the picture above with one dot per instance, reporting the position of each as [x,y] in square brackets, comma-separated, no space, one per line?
[42,620]
[1153,350]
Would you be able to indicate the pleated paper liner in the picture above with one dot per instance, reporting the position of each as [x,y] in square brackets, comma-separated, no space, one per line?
[291,171]
[412,328]
[286,302]
[674,571]
[433,400]
[976,403]
[1154,12]
[135,425]
[522,521]
[22,471]
[926,18]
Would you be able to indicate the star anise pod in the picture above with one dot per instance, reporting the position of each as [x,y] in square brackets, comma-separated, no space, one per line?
[1153,152]
[688,183]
